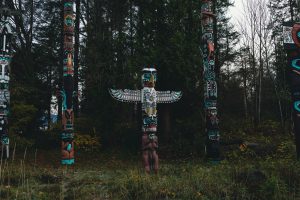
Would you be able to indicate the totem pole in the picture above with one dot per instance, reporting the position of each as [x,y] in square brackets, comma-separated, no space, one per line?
[210,84]
[149,98]
[5,59]
[291,40]
[67,93]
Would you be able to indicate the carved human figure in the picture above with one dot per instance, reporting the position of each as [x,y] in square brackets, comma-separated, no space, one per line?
[67,148]
[150,157]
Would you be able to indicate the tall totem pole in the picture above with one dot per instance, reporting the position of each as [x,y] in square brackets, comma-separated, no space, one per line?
[5,59]
[149,98]
[210,84]
[291,36]
[67,93]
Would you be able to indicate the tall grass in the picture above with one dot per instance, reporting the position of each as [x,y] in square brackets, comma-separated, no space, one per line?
[36,174]
[262,180]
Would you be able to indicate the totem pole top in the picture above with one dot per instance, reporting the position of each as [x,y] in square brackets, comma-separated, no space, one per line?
[151,69]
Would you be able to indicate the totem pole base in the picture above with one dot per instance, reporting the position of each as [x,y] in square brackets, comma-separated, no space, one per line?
[5,152]
[68,169]
[150,161]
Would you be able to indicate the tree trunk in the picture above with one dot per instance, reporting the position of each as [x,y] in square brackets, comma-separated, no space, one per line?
[292,10]
[60,69]
[166,122]
[49,96]
[76,57]
[245,87]
[276,91]
[260,71]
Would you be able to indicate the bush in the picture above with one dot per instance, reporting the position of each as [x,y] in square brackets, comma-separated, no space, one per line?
[87,142]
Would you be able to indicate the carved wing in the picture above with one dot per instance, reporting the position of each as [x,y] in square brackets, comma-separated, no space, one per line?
[7,26]
[168,96]
[131,96]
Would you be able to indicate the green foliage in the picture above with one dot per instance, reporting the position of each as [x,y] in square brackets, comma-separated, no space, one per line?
[87,142]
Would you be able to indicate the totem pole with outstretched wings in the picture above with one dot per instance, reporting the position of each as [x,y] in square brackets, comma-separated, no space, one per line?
[149,98]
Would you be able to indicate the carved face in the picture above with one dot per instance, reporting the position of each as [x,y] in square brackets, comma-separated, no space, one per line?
[206,6]
[213,135]
[211,89]
[3,85]
[149,77]
[212,120]
[152,137]
[69,20]
[149,124]
[67,120]
[4,60]
[69,23]
[68,6]
[68,63]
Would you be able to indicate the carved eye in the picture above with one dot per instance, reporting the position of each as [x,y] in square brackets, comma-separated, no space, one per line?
[146,76]
[296,64]
[296,34]
[296,105]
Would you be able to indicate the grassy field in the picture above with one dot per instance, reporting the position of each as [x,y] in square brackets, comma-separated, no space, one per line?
[36,174]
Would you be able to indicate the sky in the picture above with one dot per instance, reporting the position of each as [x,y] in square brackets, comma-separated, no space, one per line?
[236,11]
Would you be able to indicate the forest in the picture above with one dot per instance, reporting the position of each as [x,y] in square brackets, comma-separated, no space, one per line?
[113,41]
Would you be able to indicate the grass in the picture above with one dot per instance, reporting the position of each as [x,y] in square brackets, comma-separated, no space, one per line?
[36,174]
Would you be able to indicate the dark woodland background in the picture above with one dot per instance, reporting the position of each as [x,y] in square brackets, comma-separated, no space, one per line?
[115,39]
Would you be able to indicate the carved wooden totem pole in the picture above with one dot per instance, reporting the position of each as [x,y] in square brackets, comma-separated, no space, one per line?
[67,93]
[5,59]
[291,36]
[149,98]
[210,84]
